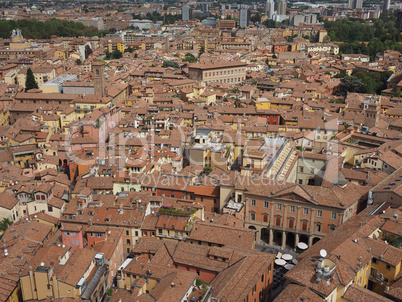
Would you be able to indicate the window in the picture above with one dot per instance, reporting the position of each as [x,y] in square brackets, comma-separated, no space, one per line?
[292,209]
[333,215]
[49,208]
[48,287]
[265,218]
[375,261]
[388,267]
[252,216]
[331,228]
[304,225]
[301,169]
[160,231]
[279,207]
[319,213]
[266,204]
[291,223]
[318,227]
[278,220]
[305,211]
[253,202]
[300,181]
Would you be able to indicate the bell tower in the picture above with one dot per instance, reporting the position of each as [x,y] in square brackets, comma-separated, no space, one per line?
[372,115]
[98,70]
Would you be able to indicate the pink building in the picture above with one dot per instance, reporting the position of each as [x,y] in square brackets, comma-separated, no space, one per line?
[72,235]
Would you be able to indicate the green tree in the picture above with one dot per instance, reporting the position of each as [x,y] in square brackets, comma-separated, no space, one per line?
[4,224]
[30,82]
[270,23]
[256,18]
[170,64]
[341,74]
[202,50]
[190,58]
[350,84]
[117,54]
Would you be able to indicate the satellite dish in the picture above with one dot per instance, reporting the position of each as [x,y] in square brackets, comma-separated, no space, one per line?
[42,264]
[323,253]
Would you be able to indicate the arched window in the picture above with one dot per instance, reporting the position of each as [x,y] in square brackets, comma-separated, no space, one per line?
[291,223]
[278,220]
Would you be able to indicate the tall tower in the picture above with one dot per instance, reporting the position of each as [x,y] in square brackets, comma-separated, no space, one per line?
[387,4]
[186,13]
[372,115]
[281,7]
[244,16]
[355,4]
[99,78]
[269,8]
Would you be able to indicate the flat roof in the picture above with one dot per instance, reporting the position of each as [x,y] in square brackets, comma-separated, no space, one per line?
[217,65]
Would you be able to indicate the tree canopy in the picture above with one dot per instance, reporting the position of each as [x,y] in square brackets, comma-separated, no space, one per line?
[116,54]
[363,82]
[34,29]
[170,64]
[30,82]
[190,58]
[378,36]
[5,223]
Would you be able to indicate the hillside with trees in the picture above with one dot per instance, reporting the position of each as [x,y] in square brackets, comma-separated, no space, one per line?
[34,29]
[365,36]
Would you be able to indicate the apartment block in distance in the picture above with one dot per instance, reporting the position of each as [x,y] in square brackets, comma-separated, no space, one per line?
[226,72]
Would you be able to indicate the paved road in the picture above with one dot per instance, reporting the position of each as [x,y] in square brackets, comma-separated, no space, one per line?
[274,249]
[279,279]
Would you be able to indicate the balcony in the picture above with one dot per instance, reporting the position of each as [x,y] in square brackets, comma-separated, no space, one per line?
[178,237]
[377,278]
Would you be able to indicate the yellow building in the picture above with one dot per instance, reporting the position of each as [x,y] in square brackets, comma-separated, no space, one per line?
[112,46]
[262,103]
[4,116]
[52,123]
[349,259]
[61,54]
[41,74]
[49,274]
[67,116]
[209,97]
[385,265]
[88,103]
